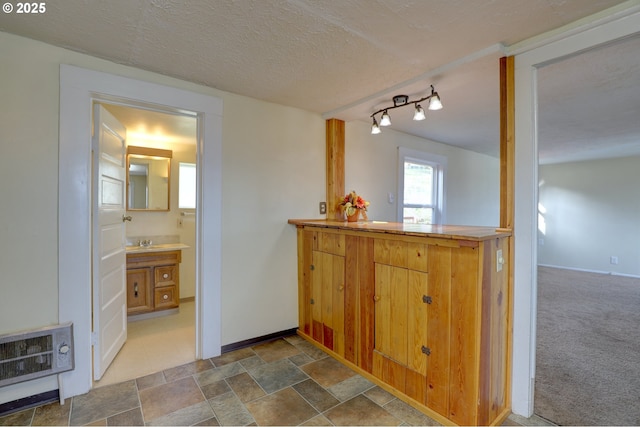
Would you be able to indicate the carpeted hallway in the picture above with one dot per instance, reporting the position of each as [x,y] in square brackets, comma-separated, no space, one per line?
[588,348]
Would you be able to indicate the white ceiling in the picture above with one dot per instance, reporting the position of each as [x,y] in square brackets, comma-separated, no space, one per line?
[347,58]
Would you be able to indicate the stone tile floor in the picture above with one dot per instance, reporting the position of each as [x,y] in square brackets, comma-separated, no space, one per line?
[283,382]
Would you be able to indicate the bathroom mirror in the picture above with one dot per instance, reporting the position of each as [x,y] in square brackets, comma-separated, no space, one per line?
[148,178]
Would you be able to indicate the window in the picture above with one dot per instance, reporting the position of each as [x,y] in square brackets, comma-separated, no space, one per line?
[187,186]
[421,187]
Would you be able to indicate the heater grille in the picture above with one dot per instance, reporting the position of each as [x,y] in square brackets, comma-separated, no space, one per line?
[37,353]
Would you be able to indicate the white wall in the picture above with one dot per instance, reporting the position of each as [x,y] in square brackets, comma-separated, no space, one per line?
[472,182]
[590,212]
[270,172]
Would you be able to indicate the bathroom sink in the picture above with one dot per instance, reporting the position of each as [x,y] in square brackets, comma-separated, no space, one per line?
[156,247]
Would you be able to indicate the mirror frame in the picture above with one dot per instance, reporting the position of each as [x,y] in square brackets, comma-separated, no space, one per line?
[150,152]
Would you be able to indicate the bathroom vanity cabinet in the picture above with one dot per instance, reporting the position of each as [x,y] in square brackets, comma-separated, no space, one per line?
[153,280]
[421,310]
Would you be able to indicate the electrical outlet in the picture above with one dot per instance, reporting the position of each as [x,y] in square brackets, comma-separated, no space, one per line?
[323,208]
[499,260]
[614,260]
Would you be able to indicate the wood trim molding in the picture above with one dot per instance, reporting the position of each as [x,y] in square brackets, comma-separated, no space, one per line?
[335,167]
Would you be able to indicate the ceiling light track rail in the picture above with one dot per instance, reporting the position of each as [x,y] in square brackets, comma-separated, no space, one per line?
[402,101]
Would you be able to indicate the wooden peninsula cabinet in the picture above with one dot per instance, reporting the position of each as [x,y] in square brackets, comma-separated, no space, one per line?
[423,311]
[153,281]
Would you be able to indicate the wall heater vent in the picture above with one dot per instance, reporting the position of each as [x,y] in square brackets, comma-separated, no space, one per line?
[38,353]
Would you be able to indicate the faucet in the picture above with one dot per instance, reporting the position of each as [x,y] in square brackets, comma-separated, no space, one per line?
[144,243]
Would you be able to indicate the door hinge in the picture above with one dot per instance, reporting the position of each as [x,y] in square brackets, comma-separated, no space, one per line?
[94,339]
[426,299]
[426,350]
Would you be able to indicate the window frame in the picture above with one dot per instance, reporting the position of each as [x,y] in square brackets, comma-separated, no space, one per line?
[439,165]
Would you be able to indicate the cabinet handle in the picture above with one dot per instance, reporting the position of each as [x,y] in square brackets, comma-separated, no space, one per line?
[165,296]
[426,299]
[165,275]
[426,350]
[341,288]
[376,298]
[135,289]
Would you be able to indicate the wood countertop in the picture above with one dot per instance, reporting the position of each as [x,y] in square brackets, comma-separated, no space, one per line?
[440,231]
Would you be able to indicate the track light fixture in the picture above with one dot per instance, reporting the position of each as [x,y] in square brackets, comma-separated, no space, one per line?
[401,101]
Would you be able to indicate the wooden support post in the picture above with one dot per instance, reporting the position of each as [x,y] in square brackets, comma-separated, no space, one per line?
[507,142]
[507,191]
[335,167]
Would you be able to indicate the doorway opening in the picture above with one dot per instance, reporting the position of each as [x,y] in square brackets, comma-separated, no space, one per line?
[587,281]
[159,335]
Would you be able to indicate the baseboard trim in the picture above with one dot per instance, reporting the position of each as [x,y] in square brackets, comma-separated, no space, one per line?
[258,340]
[29,402]
[585,270]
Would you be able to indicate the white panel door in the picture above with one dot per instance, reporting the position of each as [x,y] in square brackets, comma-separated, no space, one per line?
[109,259]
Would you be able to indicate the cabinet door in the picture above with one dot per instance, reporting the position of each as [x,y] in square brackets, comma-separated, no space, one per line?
[418,304]
[390,336]
[452,333]
[327,296]
[139,291]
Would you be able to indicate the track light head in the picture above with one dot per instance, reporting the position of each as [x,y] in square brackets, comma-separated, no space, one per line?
[375,129]
[385,120]
[434,100]
[419,113]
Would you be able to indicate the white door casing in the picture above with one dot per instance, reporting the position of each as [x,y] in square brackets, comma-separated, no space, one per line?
[79,88]
[594,32]
[109,258]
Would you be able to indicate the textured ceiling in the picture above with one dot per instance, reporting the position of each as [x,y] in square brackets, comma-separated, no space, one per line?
[589,104]
[339,58]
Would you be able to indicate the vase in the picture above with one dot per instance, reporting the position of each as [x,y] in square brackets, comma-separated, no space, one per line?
[354,217]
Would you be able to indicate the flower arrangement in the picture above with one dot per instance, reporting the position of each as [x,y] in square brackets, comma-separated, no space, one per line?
[352,203]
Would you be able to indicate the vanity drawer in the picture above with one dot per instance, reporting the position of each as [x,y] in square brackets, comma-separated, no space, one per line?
[166,275]
[166,297]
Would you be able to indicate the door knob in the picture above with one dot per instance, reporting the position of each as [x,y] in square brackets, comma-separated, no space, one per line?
[126,218]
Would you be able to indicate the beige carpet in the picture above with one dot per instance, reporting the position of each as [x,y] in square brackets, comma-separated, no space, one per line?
[588,348]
